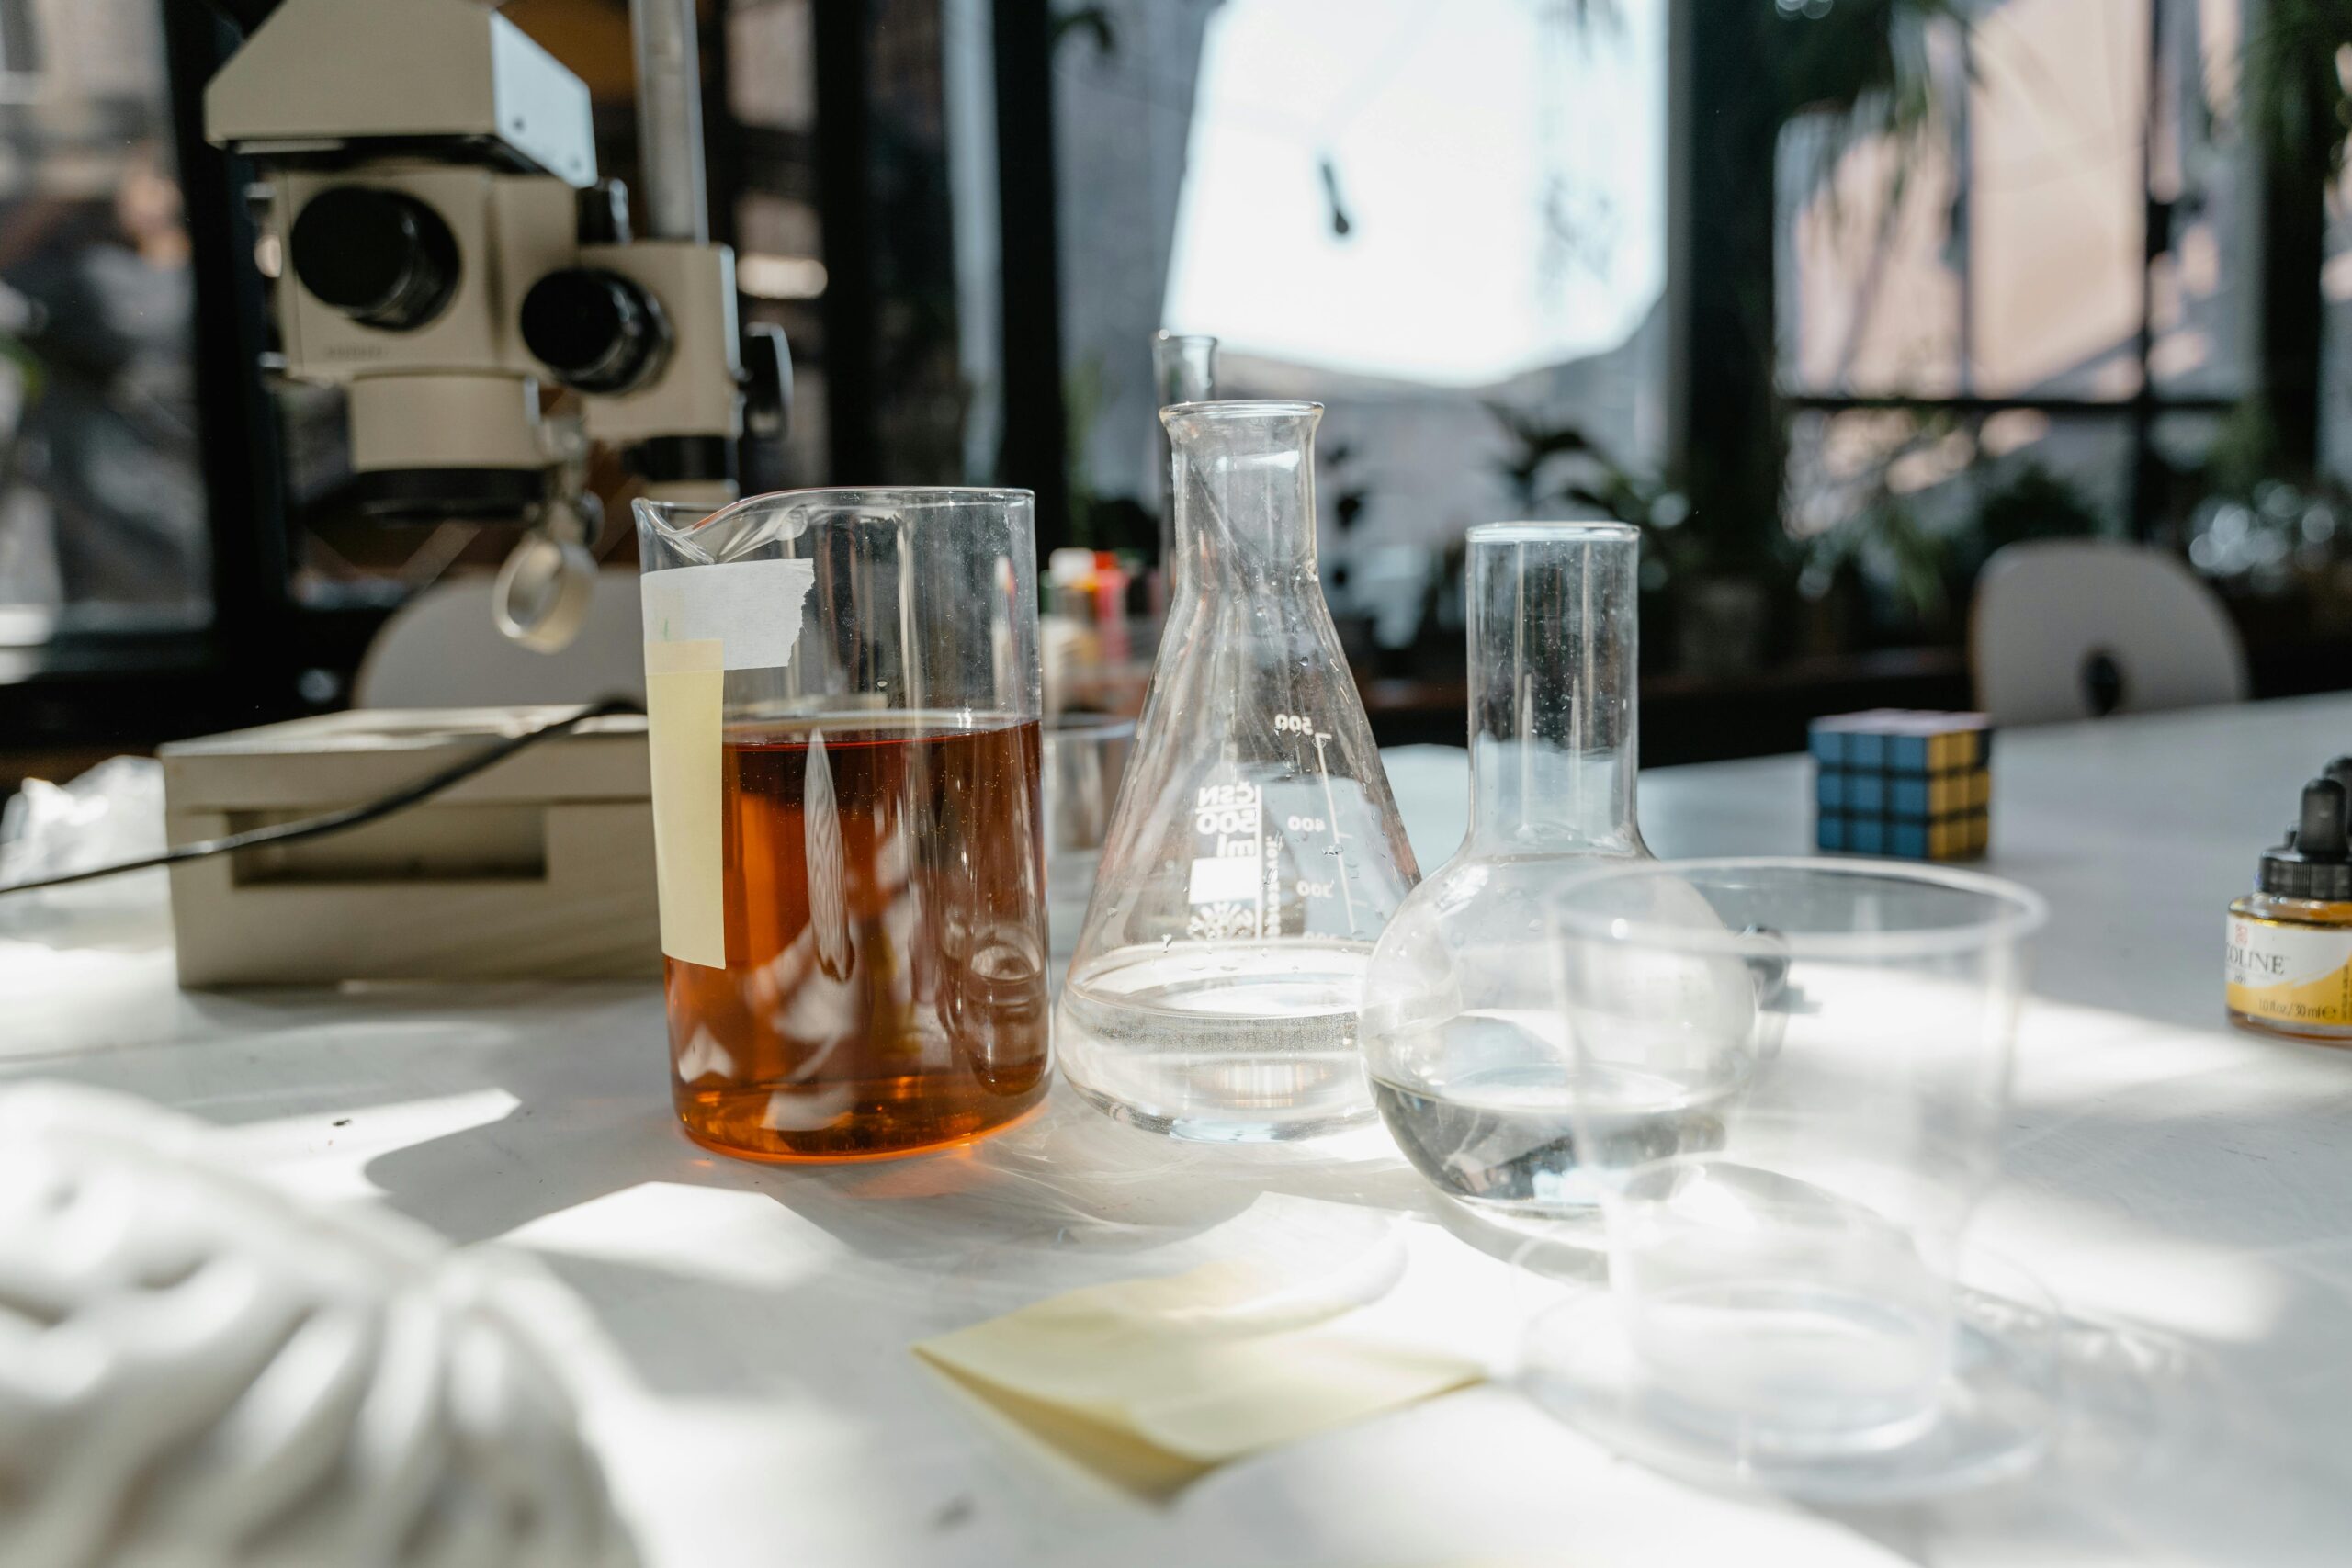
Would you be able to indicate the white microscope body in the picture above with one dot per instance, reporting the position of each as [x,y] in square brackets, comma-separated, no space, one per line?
[430,184]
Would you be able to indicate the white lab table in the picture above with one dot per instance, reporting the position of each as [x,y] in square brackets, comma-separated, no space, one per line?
[2184,1189]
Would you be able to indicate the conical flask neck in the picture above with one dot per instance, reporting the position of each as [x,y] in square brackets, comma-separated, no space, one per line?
[1183,366]
[1244,488]
[1552,612]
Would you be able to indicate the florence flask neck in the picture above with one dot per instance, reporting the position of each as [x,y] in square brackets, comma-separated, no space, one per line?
[1552,611]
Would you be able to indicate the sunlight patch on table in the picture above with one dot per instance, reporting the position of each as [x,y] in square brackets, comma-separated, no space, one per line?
[80,998]
[2101,1261]
[707,1233]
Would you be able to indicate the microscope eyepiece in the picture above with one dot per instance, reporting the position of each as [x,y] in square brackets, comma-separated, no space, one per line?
[596,329]
[378,257]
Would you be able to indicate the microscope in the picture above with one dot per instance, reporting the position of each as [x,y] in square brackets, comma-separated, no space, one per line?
[429,186]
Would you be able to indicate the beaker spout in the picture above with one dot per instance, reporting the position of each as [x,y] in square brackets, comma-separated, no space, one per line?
[674,532]
[1552,611]
[671,533]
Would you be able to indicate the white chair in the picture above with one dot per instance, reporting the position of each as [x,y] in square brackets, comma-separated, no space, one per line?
[2080,628]
[442,649]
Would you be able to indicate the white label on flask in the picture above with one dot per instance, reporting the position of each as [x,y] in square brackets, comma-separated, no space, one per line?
[751,608]
[1228,892]
[1217,880]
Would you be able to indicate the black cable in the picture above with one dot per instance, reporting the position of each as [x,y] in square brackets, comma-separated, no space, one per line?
[350,817]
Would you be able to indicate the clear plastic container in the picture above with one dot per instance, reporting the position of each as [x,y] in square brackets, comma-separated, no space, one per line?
[2016,1374]
[1839,1033]
[1255,852]
[1461,1029]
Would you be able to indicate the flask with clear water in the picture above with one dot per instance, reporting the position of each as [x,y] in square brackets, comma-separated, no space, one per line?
[1463,1037]
[1255,853]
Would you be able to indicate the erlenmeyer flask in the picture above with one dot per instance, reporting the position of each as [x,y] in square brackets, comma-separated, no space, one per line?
[1462,1027]
[1255,850]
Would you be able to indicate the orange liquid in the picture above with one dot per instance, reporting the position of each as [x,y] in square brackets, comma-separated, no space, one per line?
[885,987]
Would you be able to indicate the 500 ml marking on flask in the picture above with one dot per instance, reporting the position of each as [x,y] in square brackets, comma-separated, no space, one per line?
[1303,725]
[1347,899]
[1228,891]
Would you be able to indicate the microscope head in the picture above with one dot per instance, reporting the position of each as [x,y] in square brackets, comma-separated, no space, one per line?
[430,183]
[423,161]
[329,82]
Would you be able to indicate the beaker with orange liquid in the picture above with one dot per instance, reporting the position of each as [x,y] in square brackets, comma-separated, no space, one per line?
[842,698]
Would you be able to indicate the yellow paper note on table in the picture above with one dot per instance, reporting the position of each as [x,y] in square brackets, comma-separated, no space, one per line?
[1194,1367]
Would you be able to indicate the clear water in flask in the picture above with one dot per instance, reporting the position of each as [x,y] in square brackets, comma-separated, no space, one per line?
[1219,1040]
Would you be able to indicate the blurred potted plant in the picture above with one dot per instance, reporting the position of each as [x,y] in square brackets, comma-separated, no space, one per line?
[1350,495]
[1720,585]
[1857,69]
[2032,503]
[1886,548]
[1916,570]
[2298,99]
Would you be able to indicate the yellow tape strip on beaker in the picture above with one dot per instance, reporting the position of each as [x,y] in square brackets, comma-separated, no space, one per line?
[684,702]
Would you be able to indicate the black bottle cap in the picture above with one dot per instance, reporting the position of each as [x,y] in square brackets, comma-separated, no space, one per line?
[2315,862]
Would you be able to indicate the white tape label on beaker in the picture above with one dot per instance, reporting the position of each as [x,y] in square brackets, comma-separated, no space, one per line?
[752,608]
[685,713]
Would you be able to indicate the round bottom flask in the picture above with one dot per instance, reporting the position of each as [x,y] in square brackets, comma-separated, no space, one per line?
[1462,1030]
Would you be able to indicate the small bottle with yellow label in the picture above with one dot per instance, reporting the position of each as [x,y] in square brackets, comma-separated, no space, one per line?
[2290,955]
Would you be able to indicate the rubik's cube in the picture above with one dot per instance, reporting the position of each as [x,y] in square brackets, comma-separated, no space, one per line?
[1898,782]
